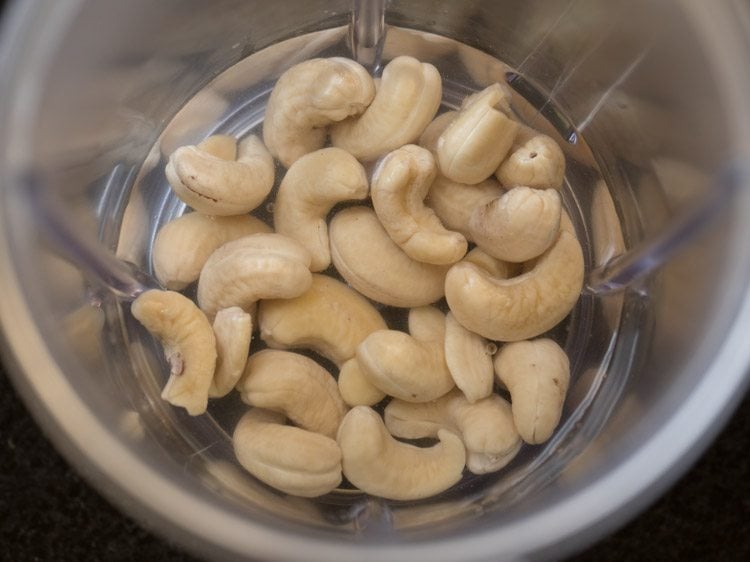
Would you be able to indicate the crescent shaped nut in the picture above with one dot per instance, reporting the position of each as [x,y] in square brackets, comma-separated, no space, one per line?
[233,328]
[539,162]
[468,361]
[355,388]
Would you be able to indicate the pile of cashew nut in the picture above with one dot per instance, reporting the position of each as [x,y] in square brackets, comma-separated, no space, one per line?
[465,206]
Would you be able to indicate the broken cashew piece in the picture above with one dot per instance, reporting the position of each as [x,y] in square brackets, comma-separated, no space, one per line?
[183,245]
[410,367]
[520,307]
[454,202]
[374,265]
[539,162]
[307,98]
[377,464]
[355,388]
[399,186]
[233,328]
[486,427]
[518,226]
[468,361]
[429,137]
[407,99]
[290,459]
[314,184]
[260,266]
[537,374]
[296,386]
[189,346]
[215,186]
[472,147]
[329,318]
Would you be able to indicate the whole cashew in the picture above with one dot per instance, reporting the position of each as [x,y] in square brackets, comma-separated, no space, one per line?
[329,318]
[519,225]
[472,147]
[214,186]
[537,374]
[355,388]
[485,427]
[429,137]
[189,346]
[410,367]
[290,459]
[521,307]
[373,264]
[296,386]
[407,99]
[307,98]
[539,162]
[233,328]
[183,245]
[399,186]
[454,202]
[260,266]
[314,184]
[468,361]
[376,463]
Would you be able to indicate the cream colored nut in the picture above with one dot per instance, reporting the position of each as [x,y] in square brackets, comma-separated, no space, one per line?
[407,99]
[329,318]
[410,367]
[518,226]
[429,138]
[290,459]
[472,147]
[189,346]
[454,202]
[374,265]
[469,363]
[539,162]
[260,266]
[377,464]
[399,186]
[521,307]
[307,98]
[537,374]
[183,245]
[214,186]
[355,388]
[233,328]
[486,427]
[296,386]
[314,184]
[497,91]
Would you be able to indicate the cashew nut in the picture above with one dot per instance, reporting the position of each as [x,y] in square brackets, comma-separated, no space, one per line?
[429,138]
[314,184]
[183,245]
[377,464]
[539,162]
[399,186]
[537,374]
[260,266]
[407,99]
[410,367]
[518,226]
[454,202]
[215,186]
[189,346]
[354,387]
[296,386]
[472,147]
[373,264]
[233,328]
[329,318]
[467,359]
[307,98]
[520,307]
[485,427]
[290,459]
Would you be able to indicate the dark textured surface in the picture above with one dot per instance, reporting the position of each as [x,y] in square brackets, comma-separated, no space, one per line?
[47,513]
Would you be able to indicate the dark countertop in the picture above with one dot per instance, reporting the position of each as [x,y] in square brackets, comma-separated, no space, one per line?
[47,512]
